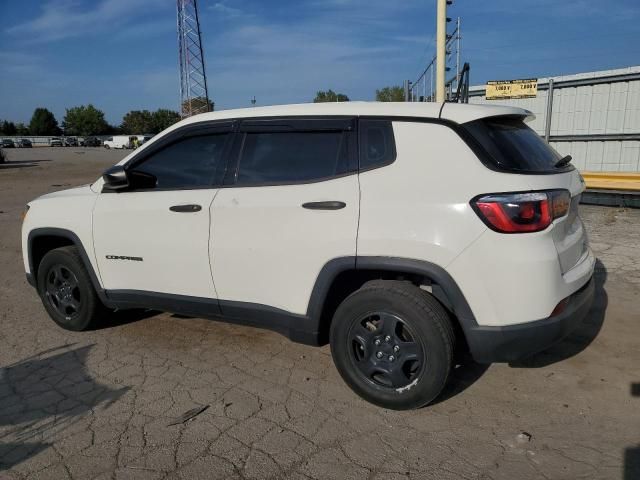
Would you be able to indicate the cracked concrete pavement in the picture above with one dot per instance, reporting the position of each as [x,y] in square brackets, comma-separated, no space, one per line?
[98,404]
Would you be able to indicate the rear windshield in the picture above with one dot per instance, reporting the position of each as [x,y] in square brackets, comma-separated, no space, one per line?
[512,146]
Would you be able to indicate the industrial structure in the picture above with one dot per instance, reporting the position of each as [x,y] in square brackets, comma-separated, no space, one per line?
[423,88]
[194,95]
[593,116]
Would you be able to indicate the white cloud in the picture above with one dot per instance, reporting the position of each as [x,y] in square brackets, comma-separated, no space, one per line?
[69,18]
[288,61]
[226,11]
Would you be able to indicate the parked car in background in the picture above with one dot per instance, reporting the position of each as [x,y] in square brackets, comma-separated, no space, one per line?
[92,142]
[119,141]
[8,143]
[25,143]
[55,142]
[70,142]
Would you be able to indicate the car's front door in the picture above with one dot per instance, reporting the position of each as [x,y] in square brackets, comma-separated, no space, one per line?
[289,206]
[156,240]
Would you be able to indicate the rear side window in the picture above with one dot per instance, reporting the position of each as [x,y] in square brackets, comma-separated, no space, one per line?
[512,146]
[289,157]
[188,163]
[377,144]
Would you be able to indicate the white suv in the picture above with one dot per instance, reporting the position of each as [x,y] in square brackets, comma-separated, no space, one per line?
[393,231]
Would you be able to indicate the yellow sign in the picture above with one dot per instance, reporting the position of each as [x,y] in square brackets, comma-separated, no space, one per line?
[503,89]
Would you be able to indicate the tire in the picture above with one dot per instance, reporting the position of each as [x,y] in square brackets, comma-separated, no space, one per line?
[66,290]
[107,147]
[393,344]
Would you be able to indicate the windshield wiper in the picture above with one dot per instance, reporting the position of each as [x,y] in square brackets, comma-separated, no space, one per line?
[563,161]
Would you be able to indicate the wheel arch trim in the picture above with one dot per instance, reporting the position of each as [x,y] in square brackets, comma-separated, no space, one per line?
[434,272]
[75,240]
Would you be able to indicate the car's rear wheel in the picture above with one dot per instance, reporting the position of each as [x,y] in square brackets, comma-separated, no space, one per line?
[393,344]
[66,290]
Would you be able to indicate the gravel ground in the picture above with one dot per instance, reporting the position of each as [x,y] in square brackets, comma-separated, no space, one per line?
[104,404]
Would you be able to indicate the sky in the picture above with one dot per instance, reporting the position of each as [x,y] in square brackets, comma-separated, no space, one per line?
[121,55]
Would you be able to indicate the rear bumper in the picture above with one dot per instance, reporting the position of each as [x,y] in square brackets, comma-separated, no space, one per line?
[515,342]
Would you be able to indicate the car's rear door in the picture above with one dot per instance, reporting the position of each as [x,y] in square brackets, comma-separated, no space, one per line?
[289,205]
[155,240]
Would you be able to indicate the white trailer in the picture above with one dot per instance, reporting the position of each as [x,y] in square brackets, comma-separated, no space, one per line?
[119,141]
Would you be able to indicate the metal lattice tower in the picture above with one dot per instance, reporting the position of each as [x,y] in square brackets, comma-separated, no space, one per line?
[194,97]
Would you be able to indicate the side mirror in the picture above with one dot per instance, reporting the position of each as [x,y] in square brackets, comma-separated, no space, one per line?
[115,178]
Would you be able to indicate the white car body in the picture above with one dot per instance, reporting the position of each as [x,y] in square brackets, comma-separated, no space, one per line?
[254,249]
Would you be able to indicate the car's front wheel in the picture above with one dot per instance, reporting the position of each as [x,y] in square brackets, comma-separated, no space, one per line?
[393,344]
[66,290]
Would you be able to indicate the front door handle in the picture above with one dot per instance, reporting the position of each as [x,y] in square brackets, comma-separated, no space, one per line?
[329,205]
[186,208]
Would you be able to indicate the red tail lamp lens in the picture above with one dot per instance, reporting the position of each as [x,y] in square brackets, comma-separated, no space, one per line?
[522,212]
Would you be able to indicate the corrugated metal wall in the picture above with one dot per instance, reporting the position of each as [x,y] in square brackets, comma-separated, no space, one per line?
[609,108]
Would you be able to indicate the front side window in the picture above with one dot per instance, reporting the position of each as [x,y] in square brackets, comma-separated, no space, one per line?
[188,163]
[289,157]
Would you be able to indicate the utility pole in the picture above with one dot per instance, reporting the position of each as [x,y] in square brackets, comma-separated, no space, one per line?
[407,88]
[458,37]
[441,48]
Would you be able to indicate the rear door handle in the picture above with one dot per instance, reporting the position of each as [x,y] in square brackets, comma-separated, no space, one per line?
[186,208]
[329,205]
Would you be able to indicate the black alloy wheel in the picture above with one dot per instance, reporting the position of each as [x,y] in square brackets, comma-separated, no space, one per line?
[385,351]
[393,344]
[67,291]
[62,291]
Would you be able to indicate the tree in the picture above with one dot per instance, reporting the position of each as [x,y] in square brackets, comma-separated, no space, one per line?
[43,123]
[144,121]
[22,129]
[137,122]
[8,128]
[163,118]
[390,94]
[84,120]
[330,96]
[197,105]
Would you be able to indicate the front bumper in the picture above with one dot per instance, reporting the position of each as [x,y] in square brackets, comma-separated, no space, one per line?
[515,342]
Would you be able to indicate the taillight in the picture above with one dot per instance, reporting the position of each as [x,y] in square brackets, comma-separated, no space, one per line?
[522,212]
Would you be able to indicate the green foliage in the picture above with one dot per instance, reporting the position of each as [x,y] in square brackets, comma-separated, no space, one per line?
[163,118]
[84,120]
[390,94]
[330,96]
[43,123]
[197,105]
[22,129]
[144,121]
[8,128]
[137,122]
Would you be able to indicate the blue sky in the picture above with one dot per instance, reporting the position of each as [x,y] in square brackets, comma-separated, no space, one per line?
[121,55]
